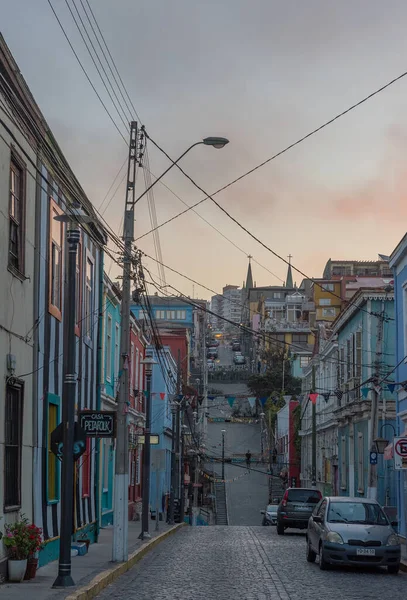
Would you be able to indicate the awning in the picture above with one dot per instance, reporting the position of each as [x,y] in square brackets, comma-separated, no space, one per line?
[388,452]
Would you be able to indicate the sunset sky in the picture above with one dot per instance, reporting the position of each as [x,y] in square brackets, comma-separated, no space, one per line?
[263,74]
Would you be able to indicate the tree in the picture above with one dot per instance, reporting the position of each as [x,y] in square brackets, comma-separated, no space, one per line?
[272,380]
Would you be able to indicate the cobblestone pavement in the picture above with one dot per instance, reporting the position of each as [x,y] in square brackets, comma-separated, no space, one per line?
[249,563]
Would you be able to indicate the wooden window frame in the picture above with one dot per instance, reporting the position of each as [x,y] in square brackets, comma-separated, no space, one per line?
[79,284]
[55,401]
[19,164]
[88,334]
[55,311]
[19,388]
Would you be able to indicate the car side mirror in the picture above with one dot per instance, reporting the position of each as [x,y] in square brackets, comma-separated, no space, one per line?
[262,512]
[394,523]
[317,519]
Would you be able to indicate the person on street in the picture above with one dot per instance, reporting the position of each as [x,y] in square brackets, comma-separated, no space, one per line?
[248,459]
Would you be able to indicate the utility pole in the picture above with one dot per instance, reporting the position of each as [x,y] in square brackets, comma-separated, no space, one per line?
[121,478]
[223,454]
[148,362]
[314,435]
[182,498]
[374,414]
[174,410]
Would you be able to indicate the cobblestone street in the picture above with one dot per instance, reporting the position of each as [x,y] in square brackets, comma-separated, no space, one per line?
[249,563]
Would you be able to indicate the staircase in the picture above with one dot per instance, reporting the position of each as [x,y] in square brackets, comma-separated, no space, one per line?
[221,508]
[276,489]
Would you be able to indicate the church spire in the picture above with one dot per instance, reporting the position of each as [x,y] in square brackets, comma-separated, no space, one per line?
[289,282]
[249,278]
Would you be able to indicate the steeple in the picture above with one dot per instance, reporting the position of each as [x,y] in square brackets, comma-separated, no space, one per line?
[249,278]
[289,282]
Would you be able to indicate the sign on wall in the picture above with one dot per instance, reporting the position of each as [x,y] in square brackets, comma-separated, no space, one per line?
[101,423]
[400,453]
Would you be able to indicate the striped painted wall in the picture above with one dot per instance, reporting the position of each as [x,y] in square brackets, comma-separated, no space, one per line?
[50,348]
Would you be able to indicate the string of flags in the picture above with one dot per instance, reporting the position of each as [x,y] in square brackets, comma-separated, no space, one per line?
[220,480]
[230,399]
[364,388]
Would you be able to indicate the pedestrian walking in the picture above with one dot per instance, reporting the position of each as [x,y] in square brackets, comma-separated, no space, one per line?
[248,459]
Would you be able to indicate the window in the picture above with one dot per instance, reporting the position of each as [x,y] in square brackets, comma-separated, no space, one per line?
[16,214]
[358,354]
[278,295]
[85,462]
[328,287]
[300,339]
[325,302]
[89,291]
[136,374]
[341,365]
[52,461]
[109,348]
[117,353]
[343,463]
[55,263]
[181,315]
[328,312]
[78,290]
[142,314]
[304,361]
[132,368]
[160,314]
[361,478]
[13,426]
[138,457]
[171,314]
[349,362]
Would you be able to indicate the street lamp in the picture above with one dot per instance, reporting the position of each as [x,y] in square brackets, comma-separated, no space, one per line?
[182,498]
[223,454]
[148,363]
[214,141]
[73,234]
[381,442]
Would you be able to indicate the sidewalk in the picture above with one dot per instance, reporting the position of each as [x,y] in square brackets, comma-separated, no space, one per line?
[84,568]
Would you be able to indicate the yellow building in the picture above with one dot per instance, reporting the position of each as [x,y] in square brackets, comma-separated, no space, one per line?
[327,294]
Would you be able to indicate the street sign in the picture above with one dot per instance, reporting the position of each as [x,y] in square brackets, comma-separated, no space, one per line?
[373,458]
[400,453]
[100,423]
[79,445]
[154,439]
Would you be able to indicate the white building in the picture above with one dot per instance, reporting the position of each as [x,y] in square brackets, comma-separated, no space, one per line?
[17,328]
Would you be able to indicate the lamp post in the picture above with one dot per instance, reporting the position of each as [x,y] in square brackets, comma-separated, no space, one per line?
[182,499]
[223,454]
[380,442]
[148,363]
[64,578]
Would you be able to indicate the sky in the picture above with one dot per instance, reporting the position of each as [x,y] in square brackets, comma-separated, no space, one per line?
[262,73]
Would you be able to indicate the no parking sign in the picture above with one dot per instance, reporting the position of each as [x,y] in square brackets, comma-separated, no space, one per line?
[400,453]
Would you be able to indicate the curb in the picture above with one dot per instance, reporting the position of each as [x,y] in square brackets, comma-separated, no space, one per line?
[105,578]
[403,566]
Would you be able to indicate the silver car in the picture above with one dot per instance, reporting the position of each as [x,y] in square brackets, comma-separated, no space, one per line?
[352,531]
[270,514]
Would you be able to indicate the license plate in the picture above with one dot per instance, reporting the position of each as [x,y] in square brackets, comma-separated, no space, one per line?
[365,552]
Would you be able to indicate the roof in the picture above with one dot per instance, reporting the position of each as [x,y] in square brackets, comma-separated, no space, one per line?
[168,301]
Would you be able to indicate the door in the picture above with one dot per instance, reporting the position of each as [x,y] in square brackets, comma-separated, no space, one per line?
[317,528]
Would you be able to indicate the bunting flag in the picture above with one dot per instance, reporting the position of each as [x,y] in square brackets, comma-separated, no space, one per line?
[404,386]
[162,395]
[145,393]
[338,394]
[313,397]
[391,387]
[365,391]
[326,396]
[211,397]
[200,400]
[378,389]
[231,400]
[263,400]
[252,401]
[180,396]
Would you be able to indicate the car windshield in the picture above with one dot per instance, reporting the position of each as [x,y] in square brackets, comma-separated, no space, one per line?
[272,508]
[356,512]
[304,496]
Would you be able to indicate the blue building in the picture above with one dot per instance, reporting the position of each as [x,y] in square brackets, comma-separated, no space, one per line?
[398,262]
[167,312]
[356,331]
[163,390]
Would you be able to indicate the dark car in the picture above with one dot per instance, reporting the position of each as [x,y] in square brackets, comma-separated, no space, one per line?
[296,507]
[212,353]
[236,347]
[352,532]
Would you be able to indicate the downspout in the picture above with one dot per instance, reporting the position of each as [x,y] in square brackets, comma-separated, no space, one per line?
[99,391]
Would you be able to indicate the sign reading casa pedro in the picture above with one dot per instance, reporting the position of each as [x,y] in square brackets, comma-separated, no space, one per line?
[101,423]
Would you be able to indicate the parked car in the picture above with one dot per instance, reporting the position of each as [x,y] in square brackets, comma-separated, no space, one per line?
[296,507]
[270,514]
[211,364]
[352,531]
[238,359]
[235,346]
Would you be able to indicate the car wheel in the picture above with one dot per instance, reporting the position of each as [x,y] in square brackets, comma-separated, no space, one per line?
[280,529]
[393,569]
[323,564]
[311,555]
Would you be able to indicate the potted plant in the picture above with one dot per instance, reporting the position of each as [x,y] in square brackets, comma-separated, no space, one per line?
[17,542]
[36,543]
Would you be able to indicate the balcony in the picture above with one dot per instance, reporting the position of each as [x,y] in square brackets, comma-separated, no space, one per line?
[275,325]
